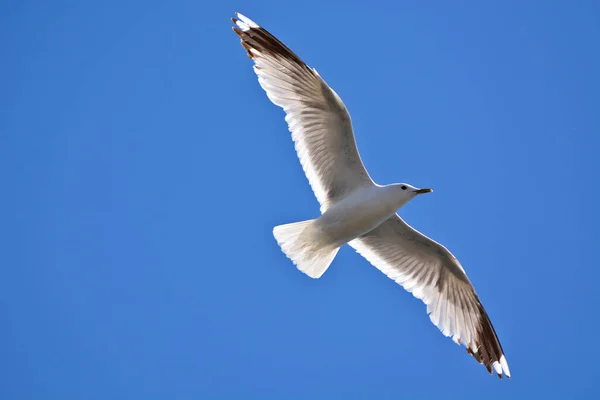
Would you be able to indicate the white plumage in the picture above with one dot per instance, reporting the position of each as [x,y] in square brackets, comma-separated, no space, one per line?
[357,211]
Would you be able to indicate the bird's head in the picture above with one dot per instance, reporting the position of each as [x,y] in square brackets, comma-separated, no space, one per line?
[404,192]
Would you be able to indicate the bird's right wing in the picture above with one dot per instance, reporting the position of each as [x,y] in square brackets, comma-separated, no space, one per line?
[316,116]
[431,273]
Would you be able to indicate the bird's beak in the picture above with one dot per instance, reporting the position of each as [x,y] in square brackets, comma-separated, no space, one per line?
[421,191]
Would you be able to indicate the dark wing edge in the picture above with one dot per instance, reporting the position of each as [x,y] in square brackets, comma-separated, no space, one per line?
[432,274]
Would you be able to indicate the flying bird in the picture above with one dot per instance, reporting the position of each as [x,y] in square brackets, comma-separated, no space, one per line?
[356,210]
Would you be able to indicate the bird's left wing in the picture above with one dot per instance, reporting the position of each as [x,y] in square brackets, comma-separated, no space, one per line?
[316,116]
[431,273]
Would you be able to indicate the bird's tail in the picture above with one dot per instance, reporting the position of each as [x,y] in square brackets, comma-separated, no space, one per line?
[305,246]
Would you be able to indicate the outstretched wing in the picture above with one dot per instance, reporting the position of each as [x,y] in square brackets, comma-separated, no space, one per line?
[316,116]
[431,273]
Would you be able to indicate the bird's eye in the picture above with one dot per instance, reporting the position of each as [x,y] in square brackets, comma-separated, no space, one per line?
[403,187]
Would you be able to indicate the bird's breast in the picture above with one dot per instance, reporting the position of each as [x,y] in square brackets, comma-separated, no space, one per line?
[356,215]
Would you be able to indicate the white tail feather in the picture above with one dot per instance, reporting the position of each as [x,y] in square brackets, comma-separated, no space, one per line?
[300,243]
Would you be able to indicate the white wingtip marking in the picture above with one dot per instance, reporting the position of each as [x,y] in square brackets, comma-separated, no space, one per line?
[247,21]
[244,27]
[504,366]
[497,368]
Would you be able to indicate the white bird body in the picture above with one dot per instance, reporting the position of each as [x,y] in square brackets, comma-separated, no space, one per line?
[360,212]
[357,211]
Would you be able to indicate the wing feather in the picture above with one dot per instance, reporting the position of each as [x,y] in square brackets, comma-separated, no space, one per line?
[316,116]
[431,273]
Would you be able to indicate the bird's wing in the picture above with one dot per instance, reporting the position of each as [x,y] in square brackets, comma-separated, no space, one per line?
[431,273]
[316,116]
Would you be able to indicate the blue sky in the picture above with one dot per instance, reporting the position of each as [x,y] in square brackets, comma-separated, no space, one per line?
[143,169]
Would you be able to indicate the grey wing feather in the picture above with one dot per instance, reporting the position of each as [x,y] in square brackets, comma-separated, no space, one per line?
[431,273]
[316,116]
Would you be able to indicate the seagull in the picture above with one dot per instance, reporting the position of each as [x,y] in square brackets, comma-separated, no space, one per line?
[357,211]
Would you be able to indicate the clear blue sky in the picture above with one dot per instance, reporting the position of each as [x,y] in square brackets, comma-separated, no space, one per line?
[143,169]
